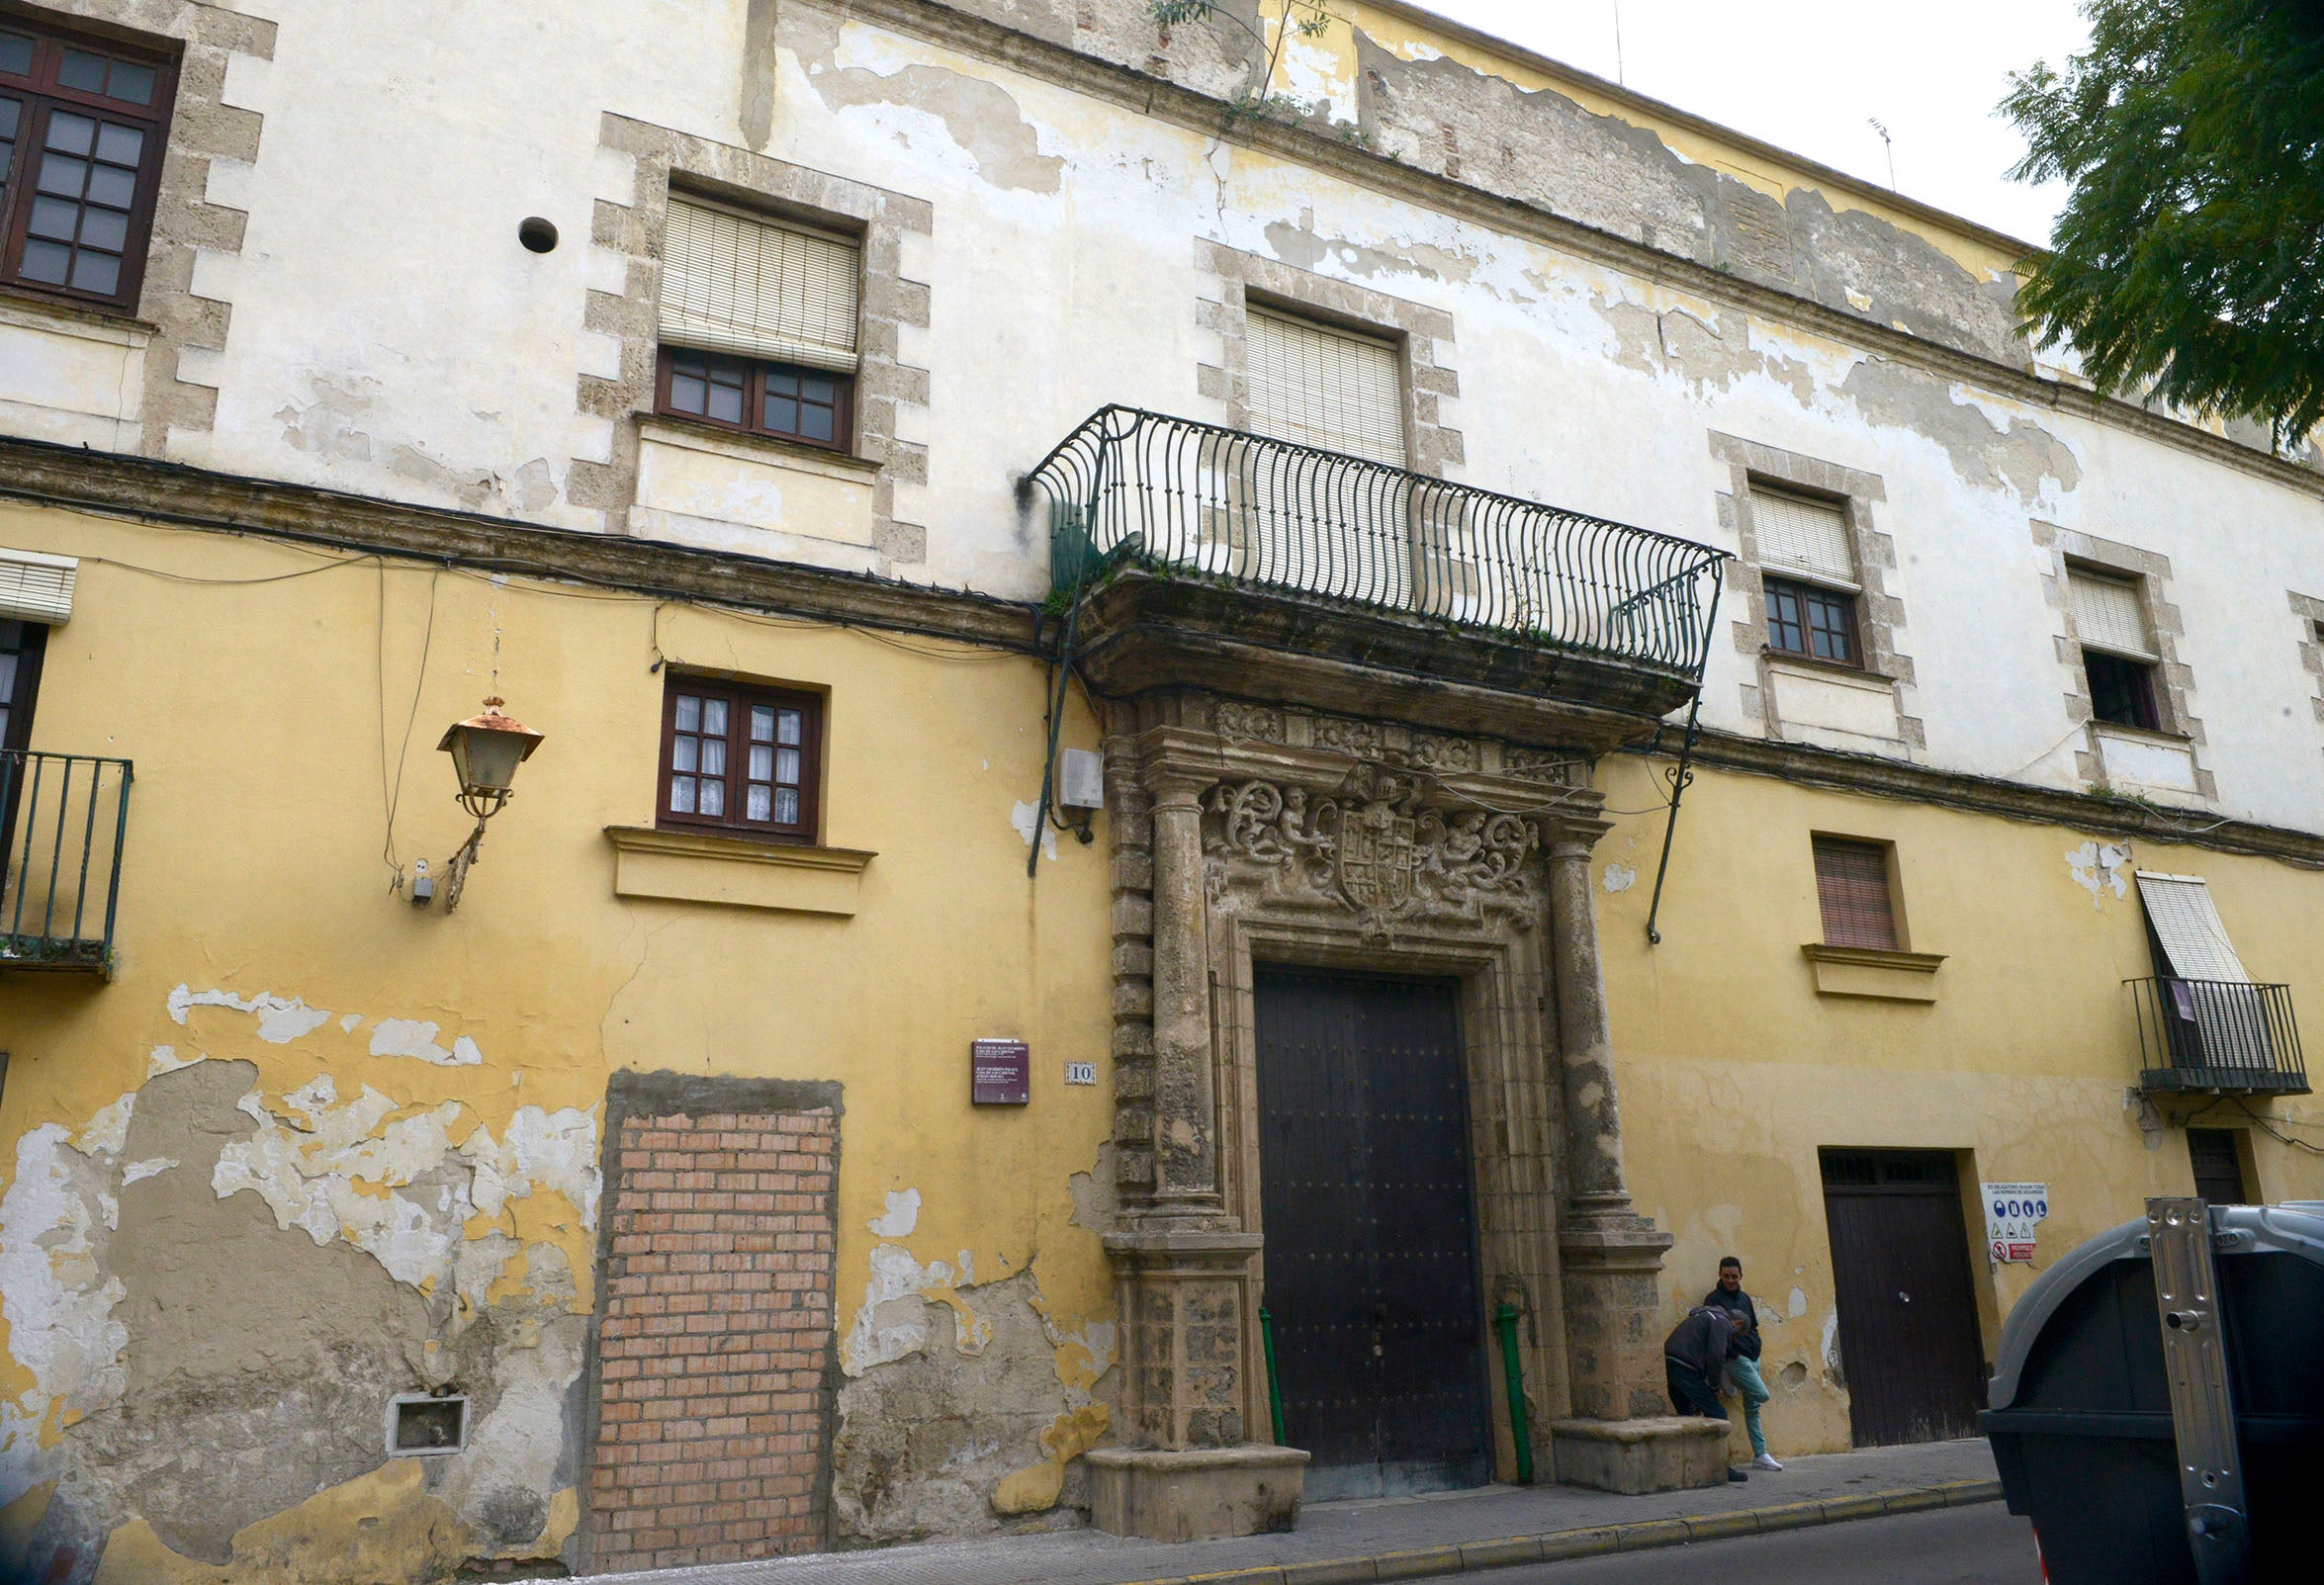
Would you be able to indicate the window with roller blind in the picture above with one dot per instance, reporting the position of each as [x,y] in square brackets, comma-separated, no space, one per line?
[1808,573]
[740,759]
[1315,385]
[1852,887]
[2118,654]
[758,324]
[82,125]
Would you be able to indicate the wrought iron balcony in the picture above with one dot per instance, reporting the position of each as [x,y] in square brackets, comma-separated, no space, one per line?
[63,819]
[1185,500]
[2218,1034]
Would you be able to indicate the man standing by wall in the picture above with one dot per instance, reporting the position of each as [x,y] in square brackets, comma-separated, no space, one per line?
[1743,1362]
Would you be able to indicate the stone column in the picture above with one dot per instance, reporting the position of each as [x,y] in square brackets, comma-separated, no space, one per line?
[1611,1257]
[1185,1469]
[1186,1106]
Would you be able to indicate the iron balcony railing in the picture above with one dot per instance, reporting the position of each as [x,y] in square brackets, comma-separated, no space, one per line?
[63,818]
[2217,1035]
[1192,499]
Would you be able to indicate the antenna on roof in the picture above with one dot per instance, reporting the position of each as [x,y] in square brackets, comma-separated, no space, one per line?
[1874,123]
[1618,78]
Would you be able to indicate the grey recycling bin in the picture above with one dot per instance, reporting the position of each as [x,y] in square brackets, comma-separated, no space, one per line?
[2157,1406]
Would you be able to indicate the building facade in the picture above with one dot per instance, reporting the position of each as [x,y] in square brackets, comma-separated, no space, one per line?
[1119,617]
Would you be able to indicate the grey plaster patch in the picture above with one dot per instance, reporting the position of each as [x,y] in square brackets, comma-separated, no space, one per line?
[2017,456]
[977,114]
[1712,353]
[1300,245]
[333,427]
[924,1440]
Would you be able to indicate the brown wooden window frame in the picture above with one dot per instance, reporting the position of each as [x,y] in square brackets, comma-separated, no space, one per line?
[733,819]
[1800,633]
[41,94]
[752,376]
[1846,868]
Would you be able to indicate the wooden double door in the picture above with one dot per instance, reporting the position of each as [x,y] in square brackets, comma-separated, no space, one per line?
[1909,1347]
[1371,1286]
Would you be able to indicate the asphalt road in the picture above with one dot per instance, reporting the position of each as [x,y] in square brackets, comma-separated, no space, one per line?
[1981,1545]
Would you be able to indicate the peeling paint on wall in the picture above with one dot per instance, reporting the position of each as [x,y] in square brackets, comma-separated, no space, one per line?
[850,69]
[2098,868]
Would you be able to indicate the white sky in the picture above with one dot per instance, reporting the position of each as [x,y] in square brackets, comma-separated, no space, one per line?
[1805,74]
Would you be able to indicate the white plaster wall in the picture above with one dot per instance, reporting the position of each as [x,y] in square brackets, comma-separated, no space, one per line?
[391,337]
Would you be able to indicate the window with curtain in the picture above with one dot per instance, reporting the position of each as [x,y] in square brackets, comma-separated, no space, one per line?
[742,760]
[758,324]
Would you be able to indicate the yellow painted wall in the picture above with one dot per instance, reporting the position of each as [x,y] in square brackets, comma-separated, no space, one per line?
[265,693]
[1733,1070]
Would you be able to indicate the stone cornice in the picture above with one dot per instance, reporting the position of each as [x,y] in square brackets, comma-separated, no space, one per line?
[939,23]
[176,495]
[1877,777]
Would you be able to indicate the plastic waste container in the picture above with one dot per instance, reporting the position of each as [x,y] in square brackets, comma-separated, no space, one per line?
[2157,1409]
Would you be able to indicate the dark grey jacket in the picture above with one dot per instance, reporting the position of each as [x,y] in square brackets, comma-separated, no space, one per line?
[1701,1342]
[1747,1345]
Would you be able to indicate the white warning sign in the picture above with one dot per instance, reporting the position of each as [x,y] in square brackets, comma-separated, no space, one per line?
[2010,1213]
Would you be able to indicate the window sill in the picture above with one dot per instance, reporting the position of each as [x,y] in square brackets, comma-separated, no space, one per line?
[2155,735]
[1873,972]
[684,866]
[37,311]
[1840,670]
[696,435]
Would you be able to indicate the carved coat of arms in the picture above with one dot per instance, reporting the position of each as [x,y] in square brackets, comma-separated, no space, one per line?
[1377,857]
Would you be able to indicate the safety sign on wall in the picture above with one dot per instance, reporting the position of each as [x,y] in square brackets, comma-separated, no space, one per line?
[2010,1213]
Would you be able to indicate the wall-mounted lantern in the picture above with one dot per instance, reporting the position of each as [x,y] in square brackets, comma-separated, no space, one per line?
[485,751]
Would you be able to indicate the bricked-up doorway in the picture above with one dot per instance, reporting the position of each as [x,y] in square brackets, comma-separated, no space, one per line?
[711,1394]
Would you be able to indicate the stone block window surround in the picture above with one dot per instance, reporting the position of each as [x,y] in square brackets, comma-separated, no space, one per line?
[177,333]
[1231,283]
[2167,759]
[889,396]
[2311,612]
[1819,624]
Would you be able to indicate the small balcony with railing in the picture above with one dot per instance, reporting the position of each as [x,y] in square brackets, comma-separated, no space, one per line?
[1184,554]
[64,819]
[2224,1036]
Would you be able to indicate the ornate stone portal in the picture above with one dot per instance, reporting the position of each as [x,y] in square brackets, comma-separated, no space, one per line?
[1251,833]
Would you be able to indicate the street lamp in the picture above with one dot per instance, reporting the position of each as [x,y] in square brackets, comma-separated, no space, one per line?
[485,751]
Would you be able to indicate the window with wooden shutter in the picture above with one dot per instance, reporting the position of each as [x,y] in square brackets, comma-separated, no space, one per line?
[1851,885]
[2109,614]
[2118,648]
[1807,536]
[758,324]
[1314,386]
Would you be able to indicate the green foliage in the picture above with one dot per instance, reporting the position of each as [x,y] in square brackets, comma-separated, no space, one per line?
[1306,18]
[2190,259]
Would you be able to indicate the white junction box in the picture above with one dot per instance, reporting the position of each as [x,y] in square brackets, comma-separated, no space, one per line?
[1081,779]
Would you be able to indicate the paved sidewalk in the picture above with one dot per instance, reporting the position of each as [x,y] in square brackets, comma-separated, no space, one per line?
[1408,1537]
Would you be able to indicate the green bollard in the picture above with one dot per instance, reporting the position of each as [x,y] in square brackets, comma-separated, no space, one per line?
[1274,1387]
[1512,1377]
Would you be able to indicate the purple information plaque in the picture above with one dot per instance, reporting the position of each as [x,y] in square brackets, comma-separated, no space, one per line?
[1000,1073]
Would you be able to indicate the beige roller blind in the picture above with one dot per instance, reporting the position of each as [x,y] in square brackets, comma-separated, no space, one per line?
[2107,614]
[35,588]
[1315,387]
[732,284]
[1805,535]
[2188,925]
